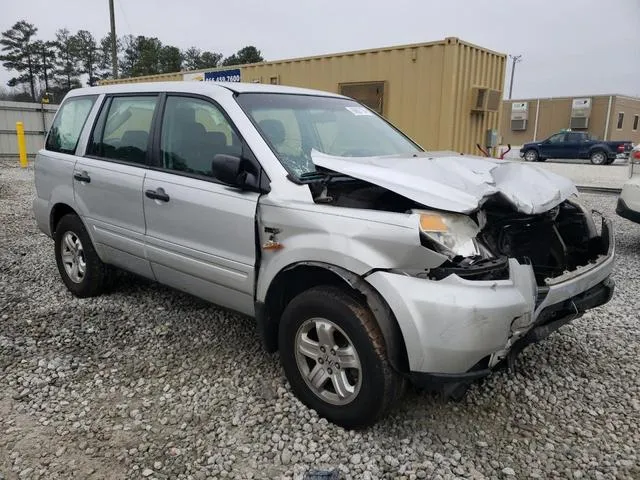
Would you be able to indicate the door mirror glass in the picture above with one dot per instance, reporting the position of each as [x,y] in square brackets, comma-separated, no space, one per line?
[228,169]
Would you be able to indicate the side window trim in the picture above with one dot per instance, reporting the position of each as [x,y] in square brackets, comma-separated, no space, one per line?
[101,120]
[156,162]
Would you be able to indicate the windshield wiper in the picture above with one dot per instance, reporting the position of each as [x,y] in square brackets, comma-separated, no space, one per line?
[319,176]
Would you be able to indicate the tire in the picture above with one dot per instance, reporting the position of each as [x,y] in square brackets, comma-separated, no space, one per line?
[342,321]
[531,156]
[73,247]
[599,157]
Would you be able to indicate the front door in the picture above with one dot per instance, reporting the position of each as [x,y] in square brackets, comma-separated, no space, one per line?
[108,180]
[553,147]
[200,234]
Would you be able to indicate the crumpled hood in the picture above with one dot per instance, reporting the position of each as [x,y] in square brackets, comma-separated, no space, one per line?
[457,183]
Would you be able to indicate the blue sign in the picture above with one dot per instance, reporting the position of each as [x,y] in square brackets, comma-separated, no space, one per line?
[223,76]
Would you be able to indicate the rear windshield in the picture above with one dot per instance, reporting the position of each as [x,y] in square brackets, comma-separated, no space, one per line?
[294,125]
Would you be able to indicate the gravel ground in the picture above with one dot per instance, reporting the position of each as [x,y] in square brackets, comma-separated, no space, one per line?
[146,382]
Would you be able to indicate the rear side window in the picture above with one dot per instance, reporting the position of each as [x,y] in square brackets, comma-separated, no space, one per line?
[68,124]
[123,129]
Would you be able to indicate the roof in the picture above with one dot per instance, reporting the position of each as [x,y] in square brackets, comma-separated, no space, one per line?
[197,87]
[569,97]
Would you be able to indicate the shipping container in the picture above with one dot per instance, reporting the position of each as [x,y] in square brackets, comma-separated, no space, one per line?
[445,94]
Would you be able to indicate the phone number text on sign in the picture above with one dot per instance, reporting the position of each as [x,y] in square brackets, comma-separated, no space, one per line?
[223,76]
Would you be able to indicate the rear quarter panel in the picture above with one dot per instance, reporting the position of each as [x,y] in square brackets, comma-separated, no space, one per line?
[54,184]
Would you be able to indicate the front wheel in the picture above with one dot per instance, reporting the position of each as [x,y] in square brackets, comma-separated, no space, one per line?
[599,158]
[531,156]
[335,359]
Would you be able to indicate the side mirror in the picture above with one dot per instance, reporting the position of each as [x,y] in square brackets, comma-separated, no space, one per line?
[228,169]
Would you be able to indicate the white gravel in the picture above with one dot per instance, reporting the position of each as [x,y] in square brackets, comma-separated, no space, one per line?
[149,383]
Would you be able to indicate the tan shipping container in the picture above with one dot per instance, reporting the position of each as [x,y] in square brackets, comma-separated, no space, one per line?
[428,90]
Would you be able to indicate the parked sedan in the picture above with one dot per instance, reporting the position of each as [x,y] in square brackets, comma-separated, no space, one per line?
[629,200]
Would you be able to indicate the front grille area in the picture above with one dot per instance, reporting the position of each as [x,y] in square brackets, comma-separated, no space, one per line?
[553,242]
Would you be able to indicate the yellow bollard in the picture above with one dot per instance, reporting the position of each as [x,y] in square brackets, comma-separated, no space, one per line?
[22,145]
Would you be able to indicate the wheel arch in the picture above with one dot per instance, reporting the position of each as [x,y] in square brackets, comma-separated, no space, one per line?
[300,276]
[58,211]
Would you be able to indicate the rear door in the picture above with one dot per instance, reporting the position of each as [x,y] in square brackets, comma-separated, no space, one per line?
[572,145]
[108,180]
[200,234]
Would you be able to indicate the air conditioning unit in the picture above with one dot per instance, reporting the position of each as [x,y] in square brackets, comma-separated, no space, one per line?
[519,125]
[580,113]
[494,97]
[519,115]
[479,98]
[579,123]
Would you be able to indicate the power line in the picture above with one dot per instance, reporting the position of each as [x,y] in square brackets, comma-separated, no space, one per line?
[515,59]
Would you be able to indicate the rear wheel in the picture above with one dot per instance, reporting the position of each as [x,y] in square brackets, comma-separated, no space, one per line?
[599,158]
[531,156]
[81,269]
[335,359]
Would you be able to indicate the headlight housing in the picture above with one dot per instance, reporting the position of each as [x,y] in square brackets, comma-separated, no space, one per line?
[449,233]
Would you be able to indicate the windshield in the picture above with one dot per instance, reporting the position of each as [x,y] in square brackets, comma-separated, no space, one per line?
[294,125]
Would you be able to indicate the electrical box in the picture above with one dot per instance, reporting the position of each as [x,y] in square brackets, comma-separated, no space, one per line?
[491,139]
[580,113]
[519,116]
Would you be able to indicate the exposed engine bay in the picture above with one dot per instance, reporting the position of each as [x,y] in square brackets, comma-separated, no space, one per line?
[553,242]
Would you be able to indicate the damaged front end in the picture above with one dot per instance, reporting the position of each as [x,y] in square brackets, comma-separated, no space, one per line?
[517,256]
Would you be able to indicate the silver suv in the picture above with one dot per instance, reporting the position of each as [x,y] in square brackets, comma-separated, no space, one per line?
[365,260]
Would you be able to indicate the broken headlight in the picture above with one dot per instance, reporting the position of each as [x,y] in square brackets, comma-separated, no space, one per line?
[450,234]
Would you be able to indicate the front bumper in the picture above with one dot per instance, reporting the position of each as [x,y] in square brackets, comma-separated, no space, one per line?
[459,329]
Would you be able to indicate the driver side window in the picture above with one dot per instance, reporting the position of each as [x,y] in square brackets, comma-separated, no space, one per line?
[194,131]
[557,138]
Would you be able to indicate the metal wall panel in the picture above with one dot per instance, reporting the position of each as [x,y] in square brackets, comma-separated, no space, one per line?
[37,120]
[473,67]
[554,114]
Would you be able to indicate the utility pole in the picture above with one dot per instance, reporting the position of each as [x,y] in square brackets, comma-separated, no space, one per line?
[515,59]
[114,40]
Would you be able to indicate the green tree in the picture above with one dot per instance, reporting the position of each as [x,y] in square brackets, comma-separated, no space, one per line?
[191,58]
[130,57]
[195,59]
[149,62]
[105,63]
[88,56]
[67,71]
[19,54]
[249,54]
[141,55]
[170,59]
[46,58]
[210,59]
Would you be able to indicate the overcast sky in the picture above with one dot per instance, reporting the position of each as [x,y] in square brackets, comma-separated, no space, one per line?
[569,47]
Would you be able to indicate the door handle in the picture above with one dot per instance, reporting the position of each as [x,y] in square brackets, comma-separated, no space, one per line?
[157,195]
[82,177]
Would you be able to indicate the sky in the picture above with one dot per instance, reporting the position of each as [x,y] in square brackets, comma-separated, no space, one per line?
[568,47]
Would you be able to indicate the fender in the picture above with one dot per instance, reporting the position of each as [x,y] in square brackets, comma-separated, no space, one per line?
[394,341]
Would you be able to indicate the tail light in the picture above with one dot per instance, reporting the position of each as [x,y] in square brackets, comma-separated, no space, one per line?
[636,156]
[621,148]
